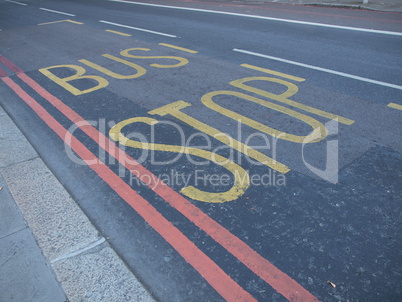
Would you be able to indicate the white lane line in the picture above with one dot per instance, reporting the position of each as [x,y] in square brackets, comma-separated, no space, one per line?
[57,12]
[17,2]
[140,29]
[342,74]
[384,32]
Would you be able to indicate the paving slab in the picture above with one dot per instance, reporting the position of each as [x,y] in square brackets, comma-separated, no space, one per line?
[49,249]
[25,275]
[13,144]
[55,219]
[114,282]
[11,218]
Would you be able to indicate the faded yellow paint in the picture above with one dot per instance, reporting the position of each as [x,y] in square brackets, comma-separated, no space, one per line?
[174,110]
[182,61]
[395,106]
[283,98]
[80,71]
[241,177]
[140,70]
[68,20]
[118,33]
[178,48]
[277,73]
[319,130]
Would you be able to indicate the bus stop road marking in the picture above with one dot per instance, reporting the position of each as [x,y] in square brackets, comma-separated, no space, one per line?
[280,281]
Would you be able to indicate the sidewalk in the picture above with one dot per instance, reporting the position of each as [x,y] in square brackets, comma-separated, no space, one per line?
[49,250]
[379,5]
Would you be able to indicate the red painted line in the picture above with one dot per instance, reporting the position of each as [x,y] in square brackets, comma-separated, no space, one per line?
[210,271]
[10,65]
[280,281]
[3,73]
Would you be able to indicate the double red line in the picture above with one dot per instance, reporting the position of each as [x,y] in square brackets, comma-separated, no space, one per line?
[213,274]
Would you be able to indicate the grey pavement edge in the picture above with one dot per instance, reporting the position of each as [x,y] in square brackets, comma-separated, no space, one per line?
[378,5]
[49,250]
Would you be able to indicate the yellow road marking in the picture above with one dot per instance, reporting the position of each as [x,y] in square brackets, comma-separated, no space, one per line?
[174,110]
[241,177]
[283,98]
[179,48]
[277,73]
[80,71]
[319,130]
[182,61]
[140,71]
[67,20]
[117,32]
[395,106]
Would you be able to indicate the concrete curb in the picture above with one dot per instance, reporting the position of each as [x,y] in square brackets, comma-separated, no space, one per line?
[56,241]
[390,6]
[351,6]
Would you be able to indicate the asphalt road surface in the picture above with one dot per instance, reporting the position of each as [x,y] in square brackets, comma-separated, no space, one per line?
[228,152]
